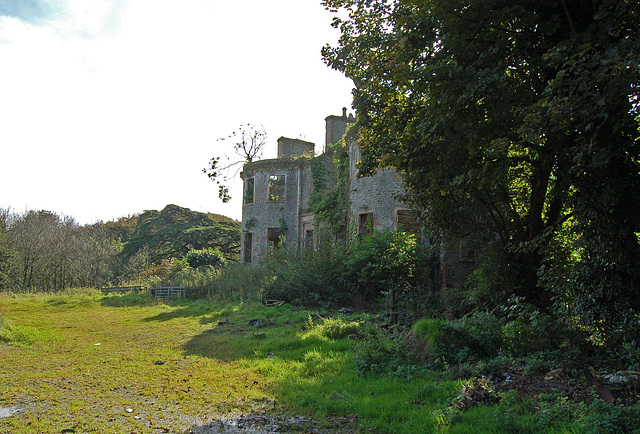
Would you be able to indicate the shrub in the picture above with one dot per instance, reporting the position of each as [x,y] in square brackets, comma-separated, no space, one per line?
[205,257]
[529,330]
[478,336]
[307,277]
[603,417]
[333,328]
[239,282]
[390,264]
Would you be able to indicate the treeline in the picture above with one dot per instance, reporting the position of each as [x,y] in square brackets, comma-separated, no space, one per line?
[514,126]
[44,251]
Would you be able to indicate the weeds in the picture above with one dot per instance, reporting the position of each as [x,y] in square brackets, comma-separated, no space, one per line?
[181,365]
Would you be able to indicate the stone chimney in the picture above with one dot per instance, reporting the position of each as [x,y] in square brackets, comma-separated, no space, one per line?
[336,126]
[293,148]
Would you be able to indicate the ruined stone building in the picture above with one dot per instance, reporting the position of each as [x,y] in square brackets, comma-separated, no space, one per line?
[277,192]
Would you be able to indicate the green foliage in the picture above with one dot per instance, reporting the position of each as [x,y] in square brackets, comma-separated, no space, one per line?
[475,337]
[332,328]
[329,200]
[384,355]
[386,263]
[514,123]
[529,330]
[603,417]
[239,282]
[205,257]
[307,277]
[120,229]
[174,231]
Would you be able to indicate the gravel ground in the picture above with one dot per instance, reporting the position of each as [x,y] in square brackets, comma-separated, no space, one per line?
[262,423]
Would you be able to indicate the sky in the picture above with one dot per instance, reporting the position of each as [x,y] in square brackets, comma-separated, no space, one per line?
[109,108]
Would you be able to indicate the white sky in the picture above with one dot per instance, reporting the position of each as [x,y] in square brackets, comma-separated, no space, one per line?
[112,107]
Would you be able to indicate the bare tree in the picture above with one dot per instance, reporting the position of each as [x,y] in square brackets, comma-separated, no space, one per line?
[248,142]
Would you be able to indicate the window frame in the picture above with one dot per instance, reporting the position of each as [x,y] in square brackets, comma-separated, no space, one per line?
[280,183]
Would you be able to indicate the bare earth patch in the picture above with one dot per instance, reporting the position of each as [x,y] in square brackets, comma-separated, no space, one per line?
[262,423]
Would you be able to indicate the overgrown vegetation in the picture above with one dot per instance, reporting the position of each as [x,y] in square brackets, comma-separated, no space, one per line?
[329,200]
[42,252]
[514,126]
[193,364]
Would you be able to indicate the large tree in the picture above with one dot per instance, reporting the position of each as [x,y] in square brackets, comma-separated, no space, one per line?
[174,231]
[515,123]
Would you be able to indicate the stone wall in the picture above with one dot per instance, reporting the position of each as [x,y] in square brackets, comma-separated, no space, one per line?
[374,195]
[277,193]
[280,189]
[293,148]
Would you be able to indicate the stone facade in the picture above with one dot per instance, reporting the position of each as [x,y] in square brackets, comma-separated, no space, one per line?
[373,199]
[275,192]
[276,202]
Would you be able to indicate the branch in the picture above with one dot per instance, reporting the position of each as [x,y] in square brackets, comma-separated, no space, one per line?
[572,24]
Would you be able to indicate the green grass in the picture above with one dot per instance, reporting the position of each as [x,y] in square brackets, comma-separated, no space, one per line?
[88,362]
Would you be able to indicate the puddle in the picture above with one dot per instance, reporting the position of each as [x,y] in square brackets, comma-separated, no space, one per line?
[9,411]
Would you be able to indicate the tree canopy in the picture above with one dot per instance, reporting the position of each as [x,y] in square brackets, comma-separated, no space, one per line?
[174,231]
[515,124]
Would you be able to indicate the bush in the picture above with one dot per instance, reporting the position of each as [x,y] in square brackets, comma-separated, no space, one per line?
[603,417]
[529,330]
[475,337]
[384,264]
[333,328]
[388,264]
[239,282]
[307,277]
[205,257]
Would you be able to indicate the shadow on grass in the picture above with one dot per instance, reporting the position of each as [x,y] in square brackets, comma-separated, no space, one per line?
[129,299]
[248,331]
[208,311]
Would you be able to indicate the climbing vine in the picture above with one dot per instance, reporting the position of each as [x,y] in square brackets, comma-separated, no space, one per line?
[330,198]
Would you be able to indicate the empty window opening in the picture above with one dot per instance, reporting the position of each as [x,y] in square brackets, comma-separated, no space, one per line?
[248,247]
[407,220]
[276,188]
[274,239]
[468,253]
[365,224]
[308,238]
[249,185]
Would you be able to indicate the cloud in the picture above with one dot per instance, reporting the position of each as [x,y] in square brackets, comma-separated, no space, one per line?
[30,11]
[101,88]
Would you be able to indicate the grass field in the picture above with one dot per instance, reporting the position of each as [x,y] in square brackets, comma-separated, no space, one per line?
[126,363]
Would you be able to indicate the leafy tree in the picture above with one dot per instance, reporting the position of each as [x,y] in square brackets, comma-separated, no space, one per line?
[174,231]
[6,252]
[248,142]
[514,122]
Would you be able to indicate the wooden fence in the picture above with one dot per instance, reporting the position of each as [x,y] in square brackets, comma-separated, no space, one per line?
[169,292]
[164,292]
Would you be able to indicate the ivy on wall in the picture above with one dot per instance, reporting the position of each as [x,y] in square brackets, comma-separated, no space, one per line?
[330,198]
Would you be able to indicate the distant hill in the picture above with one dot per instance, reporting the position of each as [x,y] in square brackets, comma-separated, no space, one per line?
[174,231]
